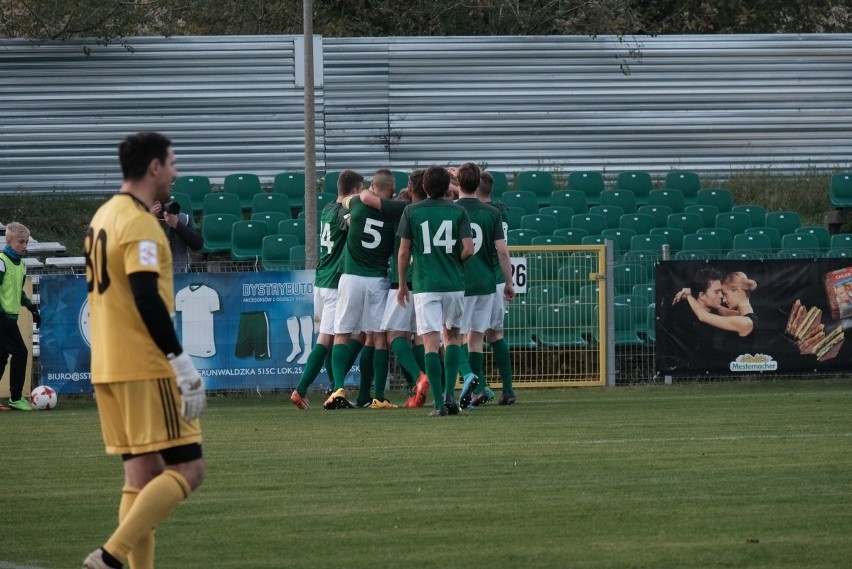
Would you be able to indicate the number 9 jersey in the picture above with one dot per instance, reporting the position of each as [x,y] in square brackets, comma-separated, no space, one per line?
[124,238]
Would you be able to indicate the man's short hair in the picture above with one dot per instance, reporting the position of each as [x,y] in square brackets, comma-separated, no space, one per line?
[436,182]
[384,181]
[349,181]
[486,184]
[136,152]
[468,177]
[415,184]
[15,228]
[702,279]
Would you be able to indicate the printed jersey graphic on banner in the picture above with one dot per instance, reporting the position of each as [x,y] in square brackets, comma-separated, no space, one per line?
[196,304]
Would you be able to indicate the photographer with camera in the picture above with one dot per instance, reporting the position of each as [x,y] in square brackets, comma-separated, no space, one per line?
[180,231]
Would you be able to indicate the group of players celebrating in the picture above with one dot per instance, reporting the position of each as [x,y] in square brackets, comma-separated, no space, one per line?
[413,273]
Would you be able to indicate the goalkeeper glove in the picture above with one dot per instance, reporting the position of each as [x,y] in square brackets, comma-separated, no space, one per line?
[191,385]
[36,316]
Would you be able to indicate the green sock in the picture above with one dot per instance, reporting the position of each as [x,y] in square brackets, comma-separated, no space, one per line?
[465,367]
[355,348]
[433,372]
[420,355]
[367,354]
[476,360]
[452,357]
[380,375]
[504,362]
[312,368]
[407,361]
[328,368]
[339,357]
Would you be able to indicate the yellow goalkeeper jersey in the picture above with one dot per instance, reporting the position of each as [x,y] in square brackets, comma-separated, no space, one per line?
[124,238]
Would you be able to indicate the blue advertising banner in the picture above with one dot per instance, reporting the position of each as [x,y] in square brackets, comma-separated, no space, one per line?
[247,330]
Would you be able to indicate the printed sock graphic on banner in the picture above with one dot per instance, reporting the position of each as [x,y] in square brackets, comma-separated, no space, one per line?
[306,323]
[293,329]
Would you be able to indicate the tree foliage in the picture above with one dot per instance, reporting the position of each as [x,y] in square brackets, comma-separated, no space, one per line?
[113,20]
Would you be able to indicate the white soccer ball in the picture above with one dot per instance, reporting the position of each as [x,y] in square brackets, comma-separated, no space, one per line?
[43,398]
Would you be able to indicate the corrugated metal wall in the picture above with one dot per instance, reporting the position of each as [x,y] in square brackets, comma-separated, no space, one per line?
[705,103]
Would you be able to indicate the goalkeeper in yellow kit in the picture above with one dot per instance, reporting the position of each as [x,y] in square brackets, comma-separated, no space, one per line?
[149,393]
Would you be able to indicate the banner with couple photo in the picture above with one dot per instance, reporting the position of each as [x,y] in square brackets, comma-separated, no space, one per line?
[736,317]
[247,330]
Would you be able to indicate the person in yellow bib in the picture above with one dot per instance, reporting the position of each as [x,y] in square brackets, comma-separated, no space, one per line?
[13,271]
[148,391]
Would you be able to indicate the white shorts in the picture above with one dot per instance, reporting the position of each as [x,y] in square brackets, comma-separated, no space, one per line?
[396,318]
[360,304]
[477,313]
[435,310]
[498,309]
[325,303]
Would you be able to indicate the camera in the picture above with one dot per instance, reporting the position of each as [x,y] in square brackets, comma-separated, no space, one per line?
[172,207]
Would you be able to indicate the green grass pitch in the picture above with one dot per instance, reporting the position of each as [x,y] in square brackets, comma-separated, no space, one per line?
[735,475]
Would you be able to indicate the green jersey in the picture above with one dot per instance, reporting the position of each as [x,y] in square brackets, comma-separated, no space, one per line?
[332,245]
[436,229]
[504,222]
[486,227]
[369,243]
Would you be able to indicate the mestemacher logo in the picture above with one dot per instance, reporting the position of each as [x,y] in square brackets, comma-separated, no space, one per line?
[756,362]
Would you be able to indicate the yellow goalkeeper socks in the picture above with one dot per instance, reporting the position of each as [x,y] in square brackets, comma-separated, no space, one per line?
[142,554]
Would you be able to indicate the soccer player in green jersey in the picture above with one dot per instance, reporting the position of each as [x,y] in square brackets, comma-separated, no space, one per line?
[436,235]
[489,243]
[398,322]
[363,284]
[333,228]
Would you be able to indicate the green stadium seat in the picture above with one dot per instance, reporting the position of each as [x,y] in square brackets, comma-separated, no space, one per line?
[588,182]
[694,255]
[645,258]
[625,275]
[593,223]
[668,197]
[538,182]
[544,224]
[519,325]
[546,263]
[514,215]
[720,198]
[275,252]
[841,241]
[822,234]
[222,203]
[620,198]
[707,213]
[612,213]
[638,182]
[293,227]
[638,307]
[796,254]
[784,221]
[298,257]
[264,202]
[574,199]
[672,235]
[549,241]
[687,182]
[806,241]
[647,291]
[736,221]
[726,239]
[244,185]
[247,240]
[840,190]
[400,180]
[216,232]
[572,235]
[548,292]
[185,203]
[772,233]
[702,242]
[625,332]
[574,273]
[660,213]
[594,240]
[196,187]
[752,242]
[501,184]
[590,293]
[557,326]
[329,182]
[292,185]
[756,213]
[561,213]
[641,223]
[651,324]
[688,222]
[271,218]
[527,201]
[747,255]
[621,238]
[838,254]
[521,236]
[648,242]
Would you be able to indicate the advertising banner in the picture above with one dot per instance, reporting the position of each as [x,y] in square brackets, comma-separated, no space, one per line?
[735,317]
[246,330]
